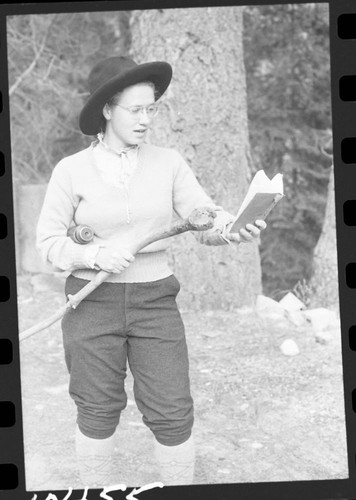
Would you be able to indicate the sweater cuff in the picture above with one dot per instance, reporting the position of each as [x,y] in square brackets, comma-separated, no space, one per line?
[90,255]
[217,234]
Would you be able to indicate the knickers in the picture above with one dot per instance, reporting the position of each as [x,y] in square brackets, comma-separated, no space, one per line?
[138,322]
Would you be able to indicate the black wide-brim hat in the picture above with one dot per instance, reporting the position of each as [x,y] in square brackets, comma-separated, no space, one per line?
[113,75]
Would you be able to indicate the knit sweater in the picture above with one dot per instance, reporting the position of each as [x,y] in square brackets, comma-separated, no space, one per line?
[121,197]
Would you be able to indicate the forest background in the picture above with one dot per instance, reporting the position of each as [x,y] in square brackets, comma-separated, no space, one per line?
[286,59]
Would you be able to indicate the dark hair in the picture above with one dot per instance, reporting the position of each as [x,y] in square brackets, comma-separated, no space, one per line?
[113,100]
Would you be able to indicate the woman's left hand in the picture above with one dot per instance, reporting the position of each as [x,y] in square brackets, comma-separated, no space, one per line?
[247,234]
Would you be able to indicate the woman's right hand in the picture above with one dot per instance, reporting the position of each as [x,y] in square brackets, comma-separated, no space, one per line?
[113,260]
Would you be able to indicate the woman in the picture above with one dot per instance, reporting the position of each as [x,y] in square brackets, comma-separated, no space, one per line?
[123,187]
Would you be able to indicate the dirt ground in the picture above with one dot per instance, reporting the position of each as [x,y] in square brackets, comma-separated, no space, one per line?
[260,415]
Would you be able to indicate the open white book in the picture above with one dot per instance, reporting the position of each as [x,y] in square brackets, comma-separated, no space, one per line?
[262,195]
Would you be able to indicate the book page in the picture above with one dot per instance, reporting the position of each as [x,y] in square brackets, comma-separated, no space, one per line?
[262,184]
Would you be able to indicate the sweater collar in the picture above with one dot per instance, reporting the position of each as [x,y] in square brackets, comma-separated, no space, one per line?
[100,140]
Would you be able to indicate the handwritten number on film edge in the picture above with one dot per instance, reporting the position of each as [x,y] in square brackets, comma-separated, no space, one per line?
[108,489]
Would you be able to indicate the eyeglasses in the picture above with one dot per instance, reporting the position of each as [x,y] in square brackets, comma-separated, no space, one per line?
[151,110]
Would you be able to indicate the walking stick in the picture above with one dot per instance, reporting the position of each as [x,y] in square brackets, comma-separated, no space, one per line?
[200,219]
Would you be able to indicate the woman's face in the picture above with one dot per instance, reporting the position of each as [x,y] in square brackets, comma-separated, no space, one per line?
[124,128]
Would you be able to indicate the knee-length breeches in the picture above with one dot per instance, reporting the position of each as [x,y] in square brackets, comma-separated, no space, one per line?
[138,322]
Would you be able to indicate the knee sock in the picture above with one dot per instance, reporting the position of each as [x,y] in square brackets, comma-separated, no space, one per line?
[176,462]
[95,460]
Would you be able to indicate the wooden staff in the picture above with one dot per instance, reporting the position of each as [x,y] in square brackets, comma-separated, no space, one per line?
[200,219]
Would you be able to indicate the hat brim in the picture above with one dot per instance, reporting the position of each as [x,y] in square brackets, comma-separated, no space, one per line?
[160,73]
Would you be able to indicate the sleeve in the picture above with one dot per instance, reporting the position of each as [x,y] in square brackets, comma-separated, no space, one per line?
[56,215]
[188,195]
[187,192]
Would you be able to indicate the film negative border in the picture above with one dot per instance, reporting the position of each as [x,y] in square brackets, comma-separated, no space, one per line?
[11,453]
[343,68]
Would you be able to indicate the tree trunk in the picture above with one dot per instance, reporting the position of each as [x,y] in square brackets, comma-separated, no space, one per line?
[324,282]
[205,118]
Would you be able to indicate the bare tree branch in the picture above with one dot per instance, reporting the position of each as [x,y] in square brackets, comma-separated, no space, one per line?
[27,71]
[38,53]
